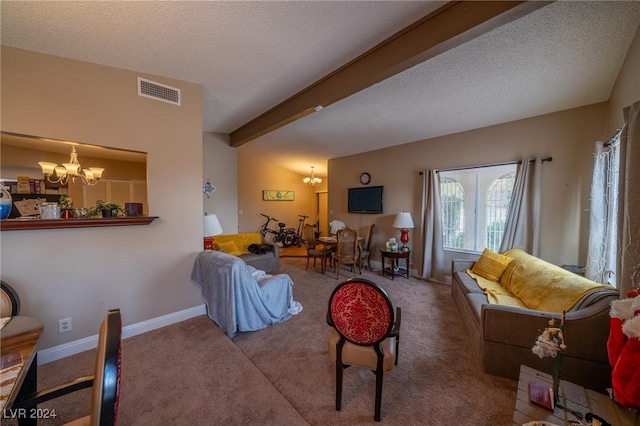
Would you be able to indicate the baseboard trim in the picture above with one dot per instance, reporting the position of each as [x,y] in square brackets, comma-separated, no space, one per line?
[67,349]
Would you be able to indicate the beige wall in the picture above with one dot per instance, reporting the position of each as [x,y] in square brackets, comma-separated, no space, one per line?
[566,136]
[254,176]
[220,166]
[80,273]
[627,88]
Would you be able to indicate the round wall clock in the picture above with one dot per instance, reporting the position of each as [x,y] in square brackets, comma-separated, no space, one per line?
[365,178]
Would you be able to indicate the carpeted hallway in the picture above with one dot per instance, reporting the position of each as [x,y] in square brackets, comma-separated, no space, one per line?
[191,373]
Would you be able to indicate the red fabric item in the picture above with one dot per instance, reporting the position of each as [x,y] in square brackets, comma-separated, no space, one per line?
[616,341]
[361,314]
[621,310]
[626,373]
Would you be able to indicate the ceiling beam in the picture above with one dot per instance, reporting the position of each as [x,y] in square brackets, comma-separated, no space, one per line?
[451,25]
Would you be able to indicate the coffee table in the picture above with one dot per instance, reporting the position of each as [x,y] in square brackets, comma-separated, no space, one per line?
[573,397]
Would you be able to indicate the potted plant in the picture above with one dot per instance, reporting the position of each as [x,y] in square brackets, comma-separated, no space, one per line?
[107,209]
[66,206]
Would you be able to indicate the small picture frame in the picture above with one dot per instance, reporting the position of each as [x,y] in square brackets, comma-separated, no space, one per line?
[277,195]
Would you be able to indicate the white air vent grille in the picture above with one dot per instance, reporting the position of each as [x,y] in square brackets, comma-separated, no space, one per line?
[158,91]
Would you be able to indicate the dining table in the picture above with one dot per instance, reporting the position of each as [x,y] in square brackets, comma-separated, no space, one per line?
[332,241]
[19,338]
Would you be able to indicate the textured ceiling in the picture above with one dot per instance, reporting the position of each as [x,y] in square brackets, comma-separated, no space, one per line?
[250,56]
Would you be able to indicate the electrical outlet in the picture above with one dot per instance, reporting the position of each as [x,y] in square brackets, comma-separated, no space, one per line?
[64,325]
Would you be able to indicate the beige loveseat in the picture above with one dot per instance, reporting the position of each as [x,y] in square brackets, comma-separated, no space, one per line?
[238,245]
[504,320]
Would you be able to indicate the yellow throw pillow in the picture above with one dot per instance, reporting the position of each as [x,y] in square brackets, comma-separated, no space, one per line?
[491,265]
[229,247]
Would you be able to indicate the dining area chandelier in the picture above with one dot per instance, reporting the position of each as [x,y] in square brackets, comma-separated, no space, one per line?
[312,180]
[55,173]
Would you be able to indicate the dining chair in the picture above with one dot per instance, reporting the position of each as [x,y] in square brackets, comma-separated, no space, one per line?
[365,333]
[314,251]
[365,256]
[105,382]
[9,301]
[347,250]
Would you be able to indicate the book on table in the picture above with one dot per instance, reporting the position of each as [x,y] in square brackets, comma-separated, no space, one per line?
[541,395]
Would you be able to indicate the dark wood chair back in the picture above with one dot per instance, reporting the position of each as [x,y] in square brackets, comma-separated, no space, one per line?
[9,301]
[362,315]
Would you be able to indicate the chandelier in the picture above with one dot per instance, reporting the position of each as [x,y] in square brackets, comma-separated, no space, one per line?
[312,180]
[61,174]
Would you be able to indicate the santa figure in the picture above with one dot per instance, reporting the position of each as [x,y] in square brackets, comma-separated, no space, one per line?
[624,351]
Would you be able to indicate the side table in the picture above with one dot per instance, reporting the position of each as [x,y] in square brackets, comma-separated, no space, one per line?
[572,396]
[395,256]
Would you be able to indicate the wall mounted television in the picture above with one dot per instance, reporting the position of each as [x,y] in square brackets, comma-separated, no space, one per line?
[366,200]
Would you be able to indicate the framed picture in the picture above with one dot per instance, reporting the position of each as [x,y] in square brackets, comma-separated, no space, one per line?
[276,195]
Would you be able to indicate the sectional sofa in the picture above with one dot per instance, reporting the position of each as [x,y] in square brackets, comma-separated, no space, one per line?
[505,318]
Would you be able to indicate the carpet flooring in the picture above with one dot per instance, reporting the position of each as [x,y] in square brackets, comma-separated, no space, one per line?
[190,373]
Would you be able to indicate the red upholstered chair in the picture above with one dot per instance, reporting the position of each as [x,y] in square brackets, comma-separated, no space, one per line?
[365,333]
[105,382]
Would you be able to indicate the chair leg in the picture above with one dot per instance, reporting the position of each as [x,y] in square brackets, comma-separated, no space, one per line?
[379,377]
[339,372]
[307,267]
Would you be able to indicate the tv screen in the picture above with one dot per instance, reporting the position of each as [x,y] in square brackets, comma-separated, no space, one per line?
[365,200]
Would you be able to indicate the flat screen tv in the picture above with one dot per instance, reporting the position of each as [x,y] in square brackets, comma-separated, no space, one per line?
[367,199]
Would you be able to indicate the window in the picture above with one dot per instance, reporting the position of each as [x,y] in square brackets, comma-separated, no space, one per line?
[475,203]
[452,197]
[603,223]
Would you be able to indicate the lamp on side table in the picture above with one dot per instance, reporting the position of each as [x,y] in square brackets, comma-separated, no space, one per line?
[403,222]
[211,228]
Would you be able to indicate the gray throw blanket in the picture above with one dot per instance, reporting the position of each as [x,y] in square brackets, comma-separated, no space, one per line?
[239,297]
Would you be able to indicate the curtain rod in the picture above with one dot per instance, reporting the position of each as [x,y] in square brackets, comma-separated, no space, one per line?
[610,141]
[489,165]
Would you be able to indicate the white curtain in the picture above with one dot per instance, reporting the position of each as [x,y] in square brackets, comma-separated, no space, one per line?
[523,219]
[628,264]
[603,216]
[431,225]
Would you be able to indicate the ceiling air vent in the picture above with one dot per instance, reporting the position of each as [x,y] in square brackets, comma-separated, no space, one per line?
[158,91]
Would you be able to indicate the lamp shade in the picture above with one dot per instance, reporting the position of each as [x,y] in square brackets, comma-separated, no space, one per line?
[403,221]
[211,225]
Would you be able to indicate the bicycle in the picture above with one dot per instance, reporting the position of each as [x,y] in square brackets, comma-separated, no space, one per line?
[300,230]
[285,236]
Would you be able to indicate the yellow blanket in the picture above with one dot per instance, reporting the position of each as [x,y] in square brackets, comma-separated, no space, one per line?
[543,286]
[496,294]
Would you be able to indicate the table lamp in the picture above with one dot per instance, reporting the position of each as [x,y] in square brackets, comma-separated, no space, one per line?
[211,228]
[403,222]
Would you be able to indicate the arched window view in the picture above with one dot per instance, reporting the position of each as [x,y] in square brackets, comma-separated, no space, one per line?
[498,199]
[475,203]
[452,199]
